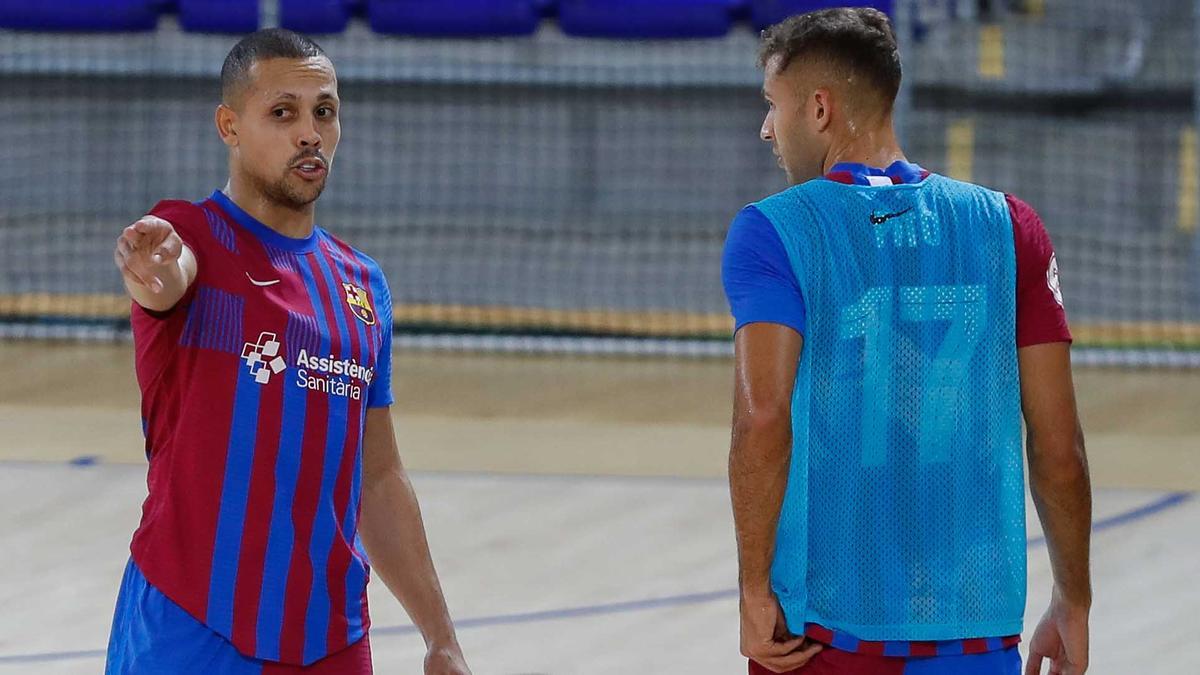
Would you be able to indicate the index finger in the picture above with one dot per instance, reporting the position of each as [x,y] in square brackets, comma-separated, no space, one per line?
[150,224]
[131,236]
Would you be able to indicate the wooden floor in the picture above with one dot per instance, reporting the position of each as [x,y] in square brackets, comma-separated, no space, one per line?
[575,506]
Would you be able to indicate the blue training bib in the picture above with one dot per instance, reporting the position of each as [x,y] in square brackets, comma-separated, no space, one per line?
[904,516]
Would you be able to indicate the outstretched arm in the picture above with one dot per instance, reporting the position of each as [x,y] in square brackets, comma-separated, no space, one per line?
[1061,489]
[394,536]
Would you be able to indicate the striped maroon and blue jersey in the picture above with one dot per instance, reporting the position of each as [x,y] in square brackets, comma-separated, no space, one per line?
[255,388]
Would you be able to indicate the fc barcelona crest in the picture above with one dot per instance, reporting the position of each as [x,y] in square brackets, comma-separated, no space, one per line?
[360,303]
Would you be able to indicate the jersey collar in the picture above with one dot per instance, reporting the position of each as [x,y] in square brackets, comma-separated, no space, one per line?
[263,233]
[899,173]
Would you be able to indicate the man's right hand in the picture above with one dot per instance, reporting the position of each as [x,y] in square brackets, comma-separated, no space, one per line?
[765,635]
[155,264]
[1062,637]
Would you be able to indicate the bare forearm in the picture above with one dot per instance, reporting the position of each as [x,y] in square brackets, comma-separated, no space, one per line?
[1062,493]
[394,536]
[758,471]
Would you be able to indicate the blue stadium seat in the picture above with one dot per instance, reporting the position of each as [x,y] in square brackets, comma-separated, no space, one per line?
[218,16]
[647,18]
[763,13]
[474,18]
[314,16]
[79,15]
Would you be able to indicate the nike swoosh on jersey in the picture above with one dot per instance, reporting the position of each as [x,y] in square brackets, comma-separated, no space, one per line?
[256,282]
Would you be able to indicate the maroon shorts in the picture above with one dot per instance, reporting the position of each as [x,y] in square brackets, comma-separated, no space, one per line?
[832,661]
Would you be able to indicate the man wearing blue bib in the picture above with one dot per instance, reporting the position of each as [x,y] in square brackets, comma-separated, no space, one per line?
[892,327]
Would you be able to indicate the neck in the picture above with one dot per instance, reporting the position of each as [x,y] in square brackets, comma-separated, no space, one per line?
[876,146]
[290,222]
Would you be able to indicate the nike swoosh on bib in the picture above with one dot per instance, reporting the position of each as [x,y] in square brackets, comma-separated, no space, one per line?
[879,220]
[256,282]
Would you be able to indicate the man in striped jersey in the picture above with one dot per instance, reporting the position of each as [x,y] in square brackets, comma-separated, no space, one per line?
[263,348]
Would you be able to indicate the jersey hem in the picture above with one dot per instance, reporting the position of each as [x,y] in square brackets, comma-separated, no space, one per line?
[742,324]
[166,594]
[797,616]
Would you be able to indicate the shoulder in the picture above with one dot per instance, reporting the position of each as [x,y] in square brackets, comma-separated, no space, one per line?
[343,248]
[181,213]
[795,192]
[195,224]
[1028,229]
[1024,216]
[751,235]
[371,271]
[754,255]
[750,221]
[954,186]
[794,206]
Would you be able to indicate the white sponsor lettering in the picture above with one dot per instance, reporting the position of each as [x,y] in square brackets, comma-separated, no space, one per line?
[327,385]
[328,374]
[332,365]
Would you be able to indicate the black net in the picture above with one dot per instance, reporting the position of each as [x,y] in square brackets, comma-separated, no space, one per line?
[551,191]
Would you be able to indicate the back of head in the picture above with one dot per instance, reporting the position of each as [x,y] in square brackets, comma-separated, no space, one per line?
[855,43]
[270,43]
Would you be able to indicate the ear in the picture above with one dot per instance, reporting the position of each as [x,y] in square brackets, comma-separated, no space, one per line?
[822,109]
[226,120]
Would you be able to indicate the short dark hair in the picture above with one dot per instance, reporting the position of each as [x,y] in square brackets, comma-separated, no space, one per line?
[859,39]
[270,43]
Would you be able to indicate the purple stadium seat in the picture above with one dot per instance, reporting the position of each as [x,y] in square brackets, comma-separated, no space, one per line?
[647,18]
[469,18]
[314,16]
[763,13]
[79,15]
[218,16]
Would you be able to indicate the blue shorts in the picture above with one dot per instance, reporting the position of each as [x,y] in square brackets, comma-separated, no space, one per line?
[836,662]
[153,635]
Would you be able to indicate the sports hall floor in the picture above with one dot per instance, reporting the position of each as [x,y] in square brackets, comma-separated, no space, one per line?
[576,508]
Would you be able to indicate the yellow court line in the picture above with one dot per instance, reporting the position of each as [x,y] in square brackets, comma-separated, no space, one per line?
[615,322]
[1137,334]
[66,305]
[603,322]
[1189,181]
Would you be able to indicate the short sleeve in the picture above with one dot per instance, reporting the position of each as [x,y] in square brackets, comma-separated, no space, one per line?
[191,224]
[1041,317]
[380,393]
[760,282]
[189,221]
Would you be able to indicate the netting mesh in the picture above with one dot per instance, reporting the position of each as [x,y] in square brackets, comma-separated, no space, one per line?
[571,188]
